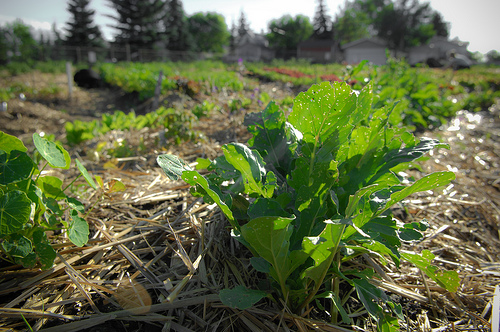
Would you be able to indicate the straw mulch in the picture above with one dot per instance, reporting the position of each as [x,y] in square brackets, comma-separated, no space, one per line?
[158,256]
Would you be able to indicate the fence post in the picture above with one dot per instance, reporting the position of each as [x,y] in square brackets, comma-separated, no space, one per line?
[70,79]
[127,49]
[156,100]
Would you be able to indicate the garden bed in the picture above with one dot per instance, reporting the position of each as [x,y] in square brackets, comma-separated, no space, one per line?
[158,256]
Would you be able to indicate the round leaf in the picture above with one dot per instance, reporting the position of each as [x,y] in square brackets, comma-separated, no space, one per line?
[15,210]
[15,167]
[78,231]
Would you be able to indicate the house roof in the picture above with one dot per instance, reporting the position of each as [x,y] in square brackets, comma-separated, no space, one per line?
[367,40]
[317,43]
[253,38]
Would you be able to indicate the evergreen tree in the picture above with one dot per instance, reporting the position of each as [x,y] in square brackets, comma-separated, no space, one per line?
[232,36]
[243,26]
[439,25]
[322,23]
[81,28]
[176,27]
[138,21]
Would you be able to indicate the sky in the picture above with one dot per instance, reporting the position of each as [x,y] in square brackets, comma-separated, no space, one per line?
[473,21]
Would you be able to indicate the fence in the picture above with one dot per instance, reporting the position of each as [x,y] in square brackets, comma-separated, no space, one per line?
[116,53]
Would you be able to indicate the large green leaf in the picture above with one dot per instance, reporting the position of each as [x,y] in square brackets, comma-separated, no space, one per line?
[449,280]
[9,143]
[78,230]
[251,166]
[429,182]
[322,249]
[406,154]
[323,111]
[53,153]
[15,210]
[274,140]
[14,167]
[269,237]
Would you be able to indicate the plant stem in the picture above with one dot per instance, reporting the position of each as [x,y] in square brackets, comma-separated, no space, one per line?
[63,190]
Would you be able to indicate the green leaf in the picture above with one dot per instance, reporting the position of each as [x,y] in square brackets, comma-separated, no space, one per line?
[75,204]
[323,112]
[172,165]
[15,167]
[17,246]
[202,163]
[260,264]
[9,143]
[28,262]
[15,211]
[338,305]
[263,207]
[194,178]
[269,237]
[370,296]
[241,297]
[86,174]
[43,249]
[408,154]
[449,280]
[429,182]
[78,230]
[251,166]
[51,186]
[272,137]
[322,250]
[115,186]
[53,153]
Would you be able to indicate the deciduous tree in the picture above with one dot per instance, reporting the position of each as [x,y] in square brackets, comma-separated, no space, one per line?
[16,42]
[287,32]
[209,31]
[351,23]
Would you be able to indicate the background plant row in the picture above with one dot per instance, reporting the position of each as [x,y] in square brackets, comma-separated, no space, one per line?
[426,97]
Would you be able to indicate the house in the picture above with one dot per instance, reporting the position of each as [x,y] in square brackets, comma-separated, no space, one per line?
[437,49]
[251,47]
[319,50]
[371,49]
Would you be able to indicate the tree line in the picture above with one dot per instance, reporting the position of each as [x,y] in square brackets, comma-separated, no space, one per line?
[163,24]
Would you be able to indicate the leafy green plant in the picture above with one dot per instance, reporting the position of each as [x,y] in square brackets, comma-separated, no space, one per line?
[32,203]
[310,194]
[178,124]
